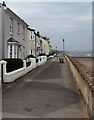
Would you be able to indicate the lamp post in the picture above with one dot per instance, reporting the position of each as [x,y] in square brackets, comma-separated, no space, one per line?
[56,49]
[63,46]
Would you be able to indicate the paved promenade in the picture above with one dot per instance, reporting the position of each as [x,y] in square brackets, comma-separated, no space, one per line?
[46,92]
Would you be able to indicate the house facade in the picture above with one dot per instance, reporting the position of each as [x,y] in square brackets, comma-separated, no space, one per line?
[38,45]
[45,45]
[32,42]
[13,35]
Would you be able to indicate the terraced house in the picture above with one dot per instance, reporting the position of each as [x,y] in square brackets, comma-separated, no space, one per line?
[45,45]
[37,43]
[13,34]
[31,42]
[34,42]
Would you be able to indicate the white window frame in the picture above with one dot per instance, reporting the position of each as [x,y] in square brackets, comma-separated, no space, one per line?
[15,51]
[12,51]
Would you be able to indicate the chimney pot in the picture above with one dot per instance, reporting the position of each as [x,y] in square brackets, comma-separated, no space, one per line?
[4,4]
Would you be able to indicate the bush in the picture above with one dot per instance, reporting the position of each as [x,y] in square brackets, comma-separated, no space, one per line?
[48,55]
[13,64]
[42,54]
[30,56]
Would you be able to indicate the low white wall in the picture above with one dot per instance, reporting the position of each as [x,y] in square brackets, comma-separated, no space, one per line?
[0,75]
[0,81]
[33,61]
[12,76]
[42,61]
[0,70]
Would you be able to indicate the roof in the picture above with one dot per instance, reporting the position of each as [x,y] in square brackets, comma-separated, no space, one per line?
[37,35]
[12,40]
[11,13]
[44,38]
[31,29]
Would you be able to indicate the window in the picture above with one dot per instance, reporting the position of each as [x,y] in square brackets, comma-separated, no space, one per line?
[10,51]
[31,36]
[18,27]
[15,51]
[23,32]
[11,25]
[31,52]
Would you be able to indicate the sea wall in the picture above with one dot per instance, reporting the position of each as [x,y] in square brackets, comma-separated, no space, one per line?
[84,85]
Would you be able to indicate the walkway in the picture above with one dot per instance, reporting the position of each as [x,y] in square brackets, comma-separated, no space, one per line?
[46,92]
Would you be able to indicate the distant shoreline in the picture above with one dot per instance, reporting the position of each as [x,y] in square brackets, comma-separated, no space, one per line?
[81,54]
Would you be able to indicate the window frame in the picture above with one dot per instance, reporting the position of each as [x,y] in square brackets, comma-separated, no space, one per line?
[23,33]
[11,25]
[18,27]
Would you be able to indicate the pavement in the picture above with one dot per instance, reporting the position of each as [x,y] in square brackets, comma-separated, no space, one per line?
[48,91]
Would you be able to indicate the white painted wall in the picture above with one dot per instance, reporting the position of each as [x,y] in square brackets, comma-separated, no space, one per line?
[12,76]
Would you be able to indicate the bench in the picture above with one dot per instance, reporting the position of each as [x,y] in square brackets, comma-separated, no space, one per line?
[61,60]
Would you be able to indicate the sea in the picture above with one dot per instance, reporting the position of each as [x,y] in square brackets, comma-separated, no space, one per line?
[81,53]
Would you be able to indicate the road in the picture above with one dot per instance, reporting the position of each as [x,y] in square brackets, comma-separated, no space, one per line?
[49,91]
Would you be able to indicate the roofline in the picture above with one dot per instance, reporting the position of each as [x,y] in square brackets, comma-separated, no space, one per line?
[31,29]
[37,35]
[8,10]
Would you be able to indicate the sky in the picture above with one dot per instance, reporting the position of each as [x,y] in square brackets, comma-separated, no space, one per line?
[71,21]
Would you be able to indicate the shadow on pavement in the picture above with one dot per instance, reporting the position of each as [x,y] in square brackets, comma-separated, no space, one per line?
[42,98]
[51,72]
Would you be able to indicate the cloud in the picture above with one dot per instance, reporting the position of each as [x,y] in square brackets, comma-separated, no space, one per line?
[71,21]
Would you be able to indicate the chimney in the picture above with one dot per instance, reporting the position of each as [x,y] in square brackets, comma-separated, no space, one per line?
[38,33]
[4,4]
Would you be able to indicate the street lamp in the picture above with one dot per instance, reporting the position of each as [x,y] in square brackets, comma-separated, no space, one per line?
[56,49]
[63,46]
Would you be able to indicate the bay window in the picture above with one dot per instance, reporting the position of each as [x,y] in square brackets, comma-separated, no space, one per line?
[12,51]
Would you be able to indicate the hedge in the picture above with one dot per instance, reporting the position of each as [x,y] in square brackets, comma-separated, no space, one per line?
[30,56]
[13,64]
[42,54]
